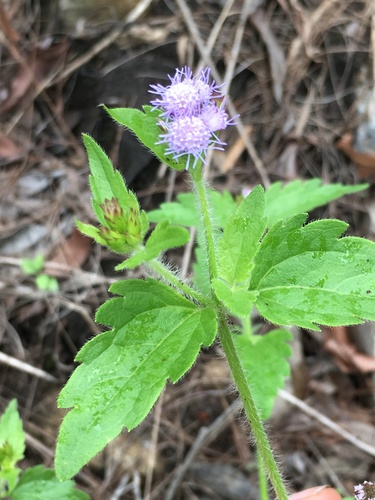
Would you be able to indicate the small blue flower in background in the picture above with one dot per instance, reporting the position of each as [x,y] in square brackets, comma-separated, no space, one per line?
[192,111]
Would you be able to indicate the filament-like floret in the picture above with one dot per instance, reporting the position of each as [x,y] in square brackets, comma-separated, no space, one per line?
[190,114]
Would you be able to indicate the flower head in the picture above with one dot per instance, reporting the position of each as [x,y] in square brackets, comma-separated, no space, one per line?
[365,491]
[186,93]
[190,115]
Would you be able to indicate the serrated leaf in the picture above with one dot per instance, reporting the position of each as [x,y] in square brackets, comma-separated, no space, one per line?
[157,335]
[306,276]
[237,300]
[240,240]
[163,237]
[105,182]
[282,202]
[90,231]
[184,211]
[39,483]
[263,359]
[285,201]
[145,126]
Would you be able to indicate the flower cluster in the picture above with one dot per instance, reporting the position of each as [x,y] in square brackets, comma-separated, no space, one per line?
[192,112]
[365,491]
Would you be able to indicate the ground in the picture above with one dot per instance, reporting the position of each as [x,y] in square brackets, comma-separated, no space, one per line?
[300,74]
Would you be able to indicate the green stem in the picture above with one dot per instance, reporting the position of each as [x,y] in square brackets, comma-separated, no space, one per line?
[262,479]
[159,268]
[263,446]
[262,443]
[246,327]
[197,176]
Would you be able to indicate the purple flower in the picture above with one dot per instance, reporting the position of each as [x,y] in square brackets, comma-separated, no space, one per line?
[189,135]
[186,93]
[365,491]
[190,115]
[215,118]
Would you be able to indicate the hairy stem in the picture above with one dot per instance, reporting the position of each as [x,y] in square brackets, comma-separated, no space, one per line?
[261,440]
[201,192]
[165,273]
[262,443]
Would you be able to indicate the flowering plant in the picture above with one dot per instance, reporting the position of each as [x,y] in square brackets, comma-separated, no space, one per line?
[259,254]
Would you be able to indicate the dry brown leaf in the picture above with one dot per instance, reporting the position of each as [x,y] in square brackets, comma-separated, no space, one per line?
[8,149]
[234,153]
[36,66]
[364,162]
[73,252]
[345,354]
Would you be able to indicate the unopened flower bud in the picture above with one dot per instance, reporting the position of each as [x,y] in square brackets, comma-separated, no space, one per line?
[114,240]
[114,215]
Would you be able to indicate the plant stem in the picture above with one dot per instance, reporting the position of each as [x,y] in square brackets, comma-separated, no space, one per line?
[262,479]
[197,176]
[262,443]
[246,327]
[159,268]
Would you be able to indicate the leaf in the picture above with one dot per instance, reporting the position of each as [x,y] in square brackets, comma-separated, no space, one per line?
[306,276]
[285,201]
[157,335]
[39,483]
[237,300]
[47,283]
[12,436]
[240,240]
[184,211]
[162,238]
[105,182]
[282,202]
[263,359]
[145,127]
[12,447]
[32,266]
[90,231]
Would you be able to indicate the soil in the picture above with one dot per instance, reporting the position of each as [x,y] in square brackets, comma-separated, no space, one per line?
[301,78]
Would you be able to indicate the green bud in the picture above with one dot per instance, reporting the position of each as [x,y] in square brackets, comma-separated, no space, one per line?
[114,215]
[114,240]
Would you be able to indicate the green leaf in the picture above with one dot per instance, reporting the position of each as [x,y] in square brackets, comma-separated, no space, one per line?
[105,182]
[145,127]
[157,335]
[239,301]
[32,266]
[306,276]
[12,436]
[90,231]
[184,211]
[240,240]
[285,201]
[39,483]
[263,359]
[47,283]
[12,447]
[282,202]
[162,238]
